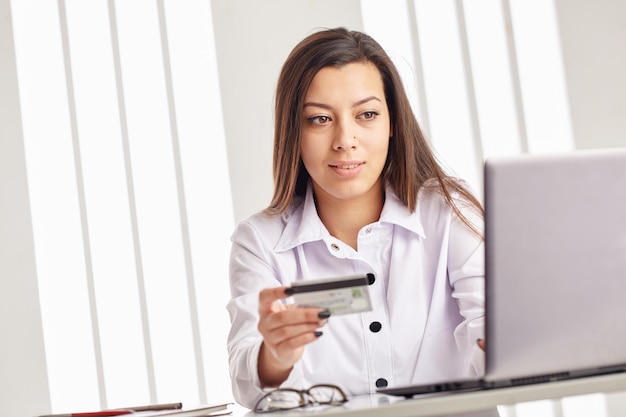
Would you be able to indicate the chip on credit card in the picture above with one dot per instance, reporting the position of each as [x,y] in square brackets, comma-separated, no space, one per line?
[343,295]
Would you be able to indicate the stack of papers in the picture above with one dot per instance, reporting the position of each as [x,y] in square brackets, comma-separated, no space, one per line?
[211,410]
[161,410]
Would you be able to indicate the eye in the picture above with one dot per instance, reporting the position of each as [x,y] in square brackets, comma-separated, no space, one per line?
[368,115]
[319,120]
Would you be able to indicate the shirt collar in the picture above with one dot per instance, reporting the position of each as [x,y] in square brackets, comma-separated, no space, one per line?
[303,225]
[396,212]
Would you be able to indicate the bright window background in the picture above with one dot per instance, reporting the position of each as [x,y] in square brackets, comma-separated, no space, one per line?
[485,77]
[126,154]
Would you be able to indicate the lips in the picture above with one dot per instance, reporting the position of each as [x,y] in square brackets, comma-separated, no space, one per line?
[351,166]
[346,165]
[347,169]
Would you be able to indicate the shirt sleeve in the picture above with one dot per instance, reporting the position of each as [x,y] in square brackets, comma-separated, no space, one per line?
[466,270]
[250,272]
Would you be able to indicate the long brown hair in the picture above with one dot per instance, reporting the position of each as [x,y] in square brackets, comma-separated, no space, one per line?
[410,160]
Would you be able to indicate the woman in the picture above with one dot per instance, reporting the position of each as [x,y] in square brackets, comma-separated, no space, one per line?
[357,189]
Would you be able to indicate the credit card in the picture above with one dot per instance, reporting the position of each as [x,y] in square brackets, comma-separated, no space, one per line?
[342,295]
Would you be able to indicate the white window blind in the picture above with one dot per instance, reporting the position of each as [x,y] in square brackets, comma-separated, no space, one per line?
[130,199]
[486,77]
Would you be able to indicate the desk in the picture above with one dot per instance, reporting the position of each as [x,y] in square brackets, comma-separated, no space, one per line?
[451,404]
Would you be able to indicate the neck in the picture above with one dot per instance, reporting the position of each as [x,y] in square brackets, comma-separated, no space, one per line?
[344,218]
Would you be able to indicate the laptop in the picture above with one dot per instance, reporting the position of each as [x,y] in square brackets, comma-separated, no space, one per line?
[555,279]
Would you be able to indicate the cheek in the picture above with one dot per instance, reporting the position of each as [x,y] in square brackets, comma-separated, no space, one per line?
[382,149]
[308,153]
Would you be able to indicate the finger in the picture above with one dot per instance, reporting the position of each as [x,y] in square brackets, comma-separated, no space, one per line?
[279,335]
[295,316]
[300,340]
[291,345]
[290,350]
[287,343]
[268,295]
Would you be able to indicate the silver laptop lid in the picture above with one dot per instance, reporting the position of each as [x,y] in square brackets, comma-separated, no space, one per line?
[556,262]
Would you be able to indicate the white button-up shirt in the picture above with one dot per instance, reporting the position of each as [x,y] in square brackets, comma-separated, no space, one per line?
[427,298]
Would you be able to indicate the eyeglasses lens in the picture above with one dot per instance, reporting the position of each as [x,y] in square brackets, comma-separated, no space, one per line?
[326,395]
[280,400]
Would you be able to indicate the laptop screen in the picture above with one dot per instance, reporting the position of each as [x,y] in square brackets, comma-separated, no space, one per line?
[555,263]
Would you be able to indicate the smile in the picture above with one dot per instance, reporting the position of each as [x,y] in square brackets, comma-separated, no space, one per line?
[347,169]
[348,166]
[351,165]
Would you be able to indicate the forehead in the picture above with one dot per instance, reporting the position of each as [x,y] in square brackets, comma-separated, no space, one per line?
[348,81]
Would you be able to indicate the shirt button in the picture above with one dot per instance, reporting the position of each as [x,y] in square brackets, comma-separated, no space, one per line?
[381,383]
[334,246]
[375,326]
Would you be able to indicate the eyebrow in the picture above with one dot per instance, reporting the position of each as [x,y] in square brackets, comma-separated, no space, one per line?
[326,106]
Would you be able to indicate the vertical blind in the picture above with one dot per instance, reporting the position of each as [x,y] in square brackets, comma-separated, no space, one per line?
[127,164]
[131,208]
[486,77]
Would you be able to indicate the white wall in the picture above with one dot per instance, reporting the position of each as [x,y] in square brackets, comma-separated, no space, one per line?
[253,38]
[593,38]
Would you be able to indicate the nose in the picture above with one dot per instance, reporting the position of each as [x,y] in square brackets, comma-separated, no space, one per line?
[345,137]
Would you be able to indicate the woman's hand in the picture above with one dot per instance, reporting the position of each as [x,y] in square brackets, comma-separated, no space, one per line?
[286,329]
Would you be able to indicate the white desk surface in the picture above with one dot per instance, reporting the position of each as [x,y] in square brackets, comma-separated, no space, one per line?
[459,403]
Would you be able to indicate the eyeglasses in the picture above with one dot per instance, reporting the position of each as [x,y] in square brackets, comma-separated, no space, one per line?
[288,399]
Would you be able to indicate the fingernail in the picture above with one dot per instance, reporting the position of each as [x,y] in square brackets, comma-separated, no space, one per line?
[318,333]
[324,314]
[289,291]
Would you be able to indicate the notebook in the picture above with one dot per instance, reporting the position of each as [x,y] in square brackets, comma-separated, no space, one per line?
[555,251]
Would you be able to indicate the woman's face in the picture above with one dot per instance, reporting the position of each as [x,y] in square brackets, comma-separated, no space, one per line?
[346,130]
